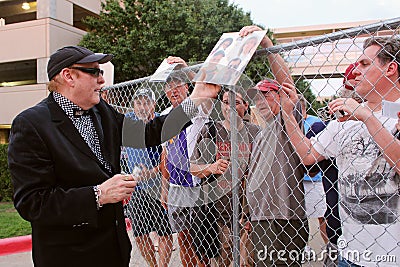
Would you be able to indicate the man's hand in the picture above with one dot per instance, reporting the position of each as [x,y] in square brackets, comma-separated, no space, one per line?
[219,167]
[246,30]
[288,97]
[203,92]
[246,225]
[349,109]
[172,60]
[117,188]
[205,170]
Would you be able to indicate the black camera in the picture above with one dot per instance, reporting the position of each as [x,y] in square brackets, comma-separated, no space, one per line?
[324,114]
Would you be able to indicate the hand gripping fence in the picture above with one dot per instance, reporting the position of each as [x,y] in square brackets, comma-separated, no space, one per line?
[234,185]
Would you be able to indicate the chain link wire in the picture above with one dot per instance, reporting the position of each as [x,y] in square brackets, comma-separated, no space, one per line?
[231,185]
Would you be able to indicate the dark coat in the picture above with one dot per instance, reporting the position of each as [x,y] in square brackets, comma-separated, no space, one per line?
[53,173]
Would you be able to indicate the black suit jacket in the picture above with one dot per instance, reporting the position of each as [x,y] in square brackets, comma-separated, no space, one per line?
[53,173]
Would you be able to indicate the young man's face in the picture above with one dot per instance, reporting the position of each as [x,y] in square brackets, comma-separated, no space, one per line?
[144,107]
[370,74]
[241,106]
[176,92]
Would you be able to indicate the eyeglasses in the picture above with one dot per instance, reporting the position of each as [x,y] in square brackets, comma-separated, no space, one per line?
[170,88]
[269,93]
[237,103]
[93,71]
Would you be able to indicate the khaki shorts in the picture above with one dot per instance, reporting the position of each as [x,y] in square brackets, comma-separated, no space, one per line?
[180,204]
[180,218]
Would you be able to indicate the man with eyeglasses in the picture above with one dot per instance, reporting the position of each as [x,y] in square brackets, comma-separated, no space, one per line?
[274,190]
[64,161]
[175,167]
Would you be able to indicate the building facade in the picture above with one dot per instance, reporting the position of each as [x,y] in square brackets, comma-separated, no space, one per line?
[330,57]
[30,31]
[323,63]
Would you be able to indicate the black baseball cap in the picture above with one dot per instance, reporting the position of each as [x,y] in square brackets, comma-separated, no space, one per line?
[69,55]
[145,91]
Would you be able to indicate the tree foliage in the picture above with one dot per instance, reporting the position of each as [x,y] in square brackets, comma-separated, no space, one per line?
[5,176]
[304,88]
[141,33]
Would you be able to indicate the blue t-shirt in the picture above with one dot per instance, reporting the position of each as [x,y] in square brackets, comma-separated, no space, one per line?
[149,157]
[310,120]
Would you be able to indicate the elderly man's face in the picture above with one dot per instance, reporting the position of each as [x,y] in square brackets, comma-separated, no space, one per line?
[86,91]
[144,107]
[176,92]
[267,104]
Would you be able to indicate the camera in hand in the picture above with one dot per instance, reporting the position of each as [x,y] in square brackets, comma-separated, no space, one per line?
[324,114]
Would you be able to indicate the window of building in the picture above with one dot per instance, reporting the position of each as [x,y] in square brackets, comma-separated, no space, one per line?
[79,15]
[4,133]
[17,11]
[18,73]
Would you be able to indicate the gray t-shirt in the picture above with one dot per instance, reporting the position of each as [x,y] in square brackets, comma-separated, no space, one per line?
[275,188]
[215,144]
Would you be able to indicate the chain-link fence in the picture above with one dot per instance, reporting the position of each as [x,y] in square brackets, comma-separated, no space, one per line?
[242,186]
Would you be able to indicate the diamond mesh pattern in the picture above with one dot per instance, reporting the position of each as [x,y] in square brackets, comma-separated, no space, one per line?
[232,185]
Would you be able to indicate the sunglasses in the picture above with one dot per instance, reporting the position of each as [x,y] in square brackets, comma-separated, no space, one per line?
[93,71]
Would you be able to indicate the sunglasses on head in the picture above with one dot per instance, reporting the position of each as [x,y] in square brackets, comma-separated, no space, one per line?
[93,71]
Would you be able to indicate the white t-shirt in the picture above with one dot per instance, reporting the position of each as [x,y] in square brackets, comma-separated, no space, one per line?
[368,190]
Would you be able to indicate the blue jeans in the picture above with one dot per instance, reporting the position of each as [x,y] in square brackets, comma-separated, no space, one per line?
[345,263]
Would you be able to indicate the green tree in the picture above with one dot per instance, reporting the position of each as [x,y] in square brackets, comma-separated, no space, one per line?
[304,88]
[141,33]
[5,176]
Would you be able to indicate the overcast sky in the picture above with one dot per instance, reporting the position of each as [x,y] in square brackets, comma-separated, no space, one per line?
[288,13]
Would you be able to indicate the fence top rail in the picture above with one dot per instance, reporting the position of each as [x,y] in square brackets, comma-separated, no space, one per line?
[312,41]
[352,32]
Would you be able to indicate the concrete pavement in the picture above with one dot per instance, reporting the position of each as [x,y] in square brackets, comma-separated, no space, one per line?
[24,259]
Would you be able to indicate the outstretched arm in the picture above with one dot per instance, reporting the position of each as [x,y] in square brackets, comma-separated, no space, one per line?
[164,180]
[202,92]
[300,142]
[277,63]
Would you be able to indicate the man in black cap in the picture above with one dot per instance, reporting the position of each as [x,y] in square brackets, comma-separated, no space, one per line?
[64,161]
